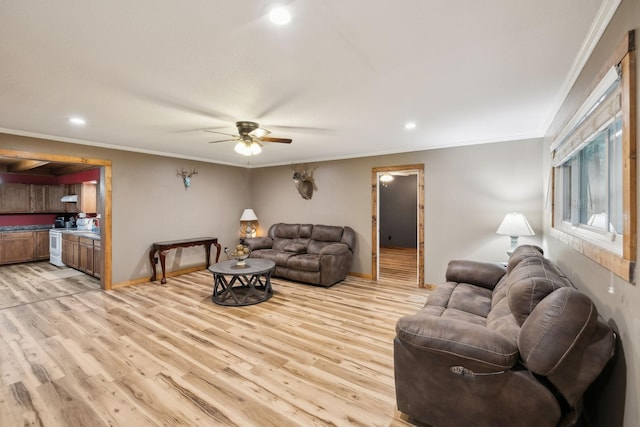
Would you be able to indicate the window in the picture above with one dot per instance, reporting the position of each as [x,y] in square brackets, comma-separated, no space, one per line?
[594,181]
[592,184]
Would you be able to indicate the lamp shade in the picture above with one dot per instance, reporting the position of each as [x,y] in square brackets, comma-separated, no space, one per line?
[248,215]
[515,224]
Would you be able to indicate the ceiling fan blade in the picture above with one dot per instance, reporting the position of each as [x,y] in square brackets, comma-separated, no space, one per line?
[221,133]
[222,140]
[259,132]
[282,140]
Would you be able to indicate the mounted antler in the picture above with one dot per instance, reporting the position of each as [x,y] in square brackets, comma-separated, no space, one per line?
[303,180]
[186,177]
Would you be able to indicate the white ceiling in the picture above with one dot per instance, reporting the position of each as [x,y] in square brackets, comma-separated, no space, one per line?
[341,79]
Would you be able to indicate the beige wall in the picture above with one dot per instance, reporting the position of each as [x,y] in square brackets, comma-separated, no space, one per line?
[619,397]
[468,190]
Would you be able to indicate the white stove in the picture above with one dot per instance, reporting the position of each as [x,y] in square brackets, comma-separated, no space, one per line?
[55,247]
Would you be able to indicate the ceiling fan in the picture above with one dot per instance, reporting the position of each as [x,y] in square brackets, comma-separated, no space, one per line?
[250,138]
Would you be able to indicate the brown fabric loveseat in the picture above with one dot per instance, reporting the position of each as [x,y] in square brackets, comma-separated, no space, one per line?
[500,347]
[316,254]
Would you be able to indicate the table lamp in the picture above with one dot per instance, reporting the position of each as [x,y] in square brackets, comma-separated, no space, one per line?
[247,226]
[514,225]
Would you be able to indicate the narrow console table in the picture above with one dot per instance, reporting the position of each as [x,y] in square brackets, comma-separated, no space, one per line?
[163,247]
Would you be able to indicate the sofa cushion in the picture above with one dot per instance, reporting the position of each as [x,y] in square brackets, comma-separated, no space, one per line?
[327,233]
[334,249]
[558,324]
[459,301]
[476,273]
[279,257]
[523,252]
[315,246]
[306,262]
[260,243]
[287,231]
[475,345]
[529,283]
[280,243]
[305,231]
[501,320]
[295,247]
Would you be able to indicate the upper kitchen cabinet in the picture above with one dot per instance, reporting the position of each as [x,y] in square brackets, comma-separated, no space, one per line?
[38,196]
[53,198]
[15,198]
[46,198]
[87,197]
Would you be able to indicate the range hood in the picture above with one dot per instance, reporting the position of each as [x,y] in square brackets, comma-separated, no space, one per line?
[73,198]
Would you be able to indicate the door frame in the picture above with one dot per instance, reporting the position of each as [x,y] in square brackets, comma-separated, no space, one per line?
[106,279]
[375,238]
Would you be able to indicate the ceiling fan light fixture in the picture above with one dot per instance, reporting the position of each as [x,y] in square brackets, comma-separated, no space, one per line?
[255,148]
[247,148]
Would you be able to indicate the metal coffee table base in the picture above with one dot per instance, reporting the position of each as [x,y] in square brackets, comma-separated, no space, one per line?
[242,286]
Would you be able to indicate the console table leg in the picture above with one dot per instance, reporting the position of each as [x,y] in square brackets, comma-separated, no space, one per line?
[162,257]
[152,254]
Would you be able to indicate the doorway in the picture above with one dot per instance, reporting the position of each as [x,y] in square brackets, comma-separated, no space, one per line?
[104,195]
[398,230]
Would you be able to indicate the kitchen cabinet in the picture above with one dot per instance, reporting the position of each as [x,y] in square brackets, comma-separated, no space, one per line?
[82,253]
[70,248]
[41,244]
[53,194]
[85,255]
[41,198]
[15,198]
[97,258]
[87,197]
[17,247]
[37,196]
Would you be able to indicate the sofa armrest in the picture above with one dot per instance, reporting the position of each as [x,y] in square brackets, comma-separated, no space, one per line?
[255,243]
[334,249]
[484,274]
[473,346]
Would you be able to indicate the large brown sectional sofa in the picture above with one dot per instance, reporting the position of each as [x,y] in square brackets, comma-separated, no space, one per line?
[496,346]
[315,254]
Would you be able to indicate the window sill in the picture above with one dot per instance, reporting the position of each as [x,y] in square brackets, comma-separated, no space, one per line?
[608,259]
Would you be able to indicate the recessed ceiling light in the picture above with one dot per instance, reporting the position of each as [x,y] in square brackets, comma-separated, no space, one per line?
[280,16]
[78,121]
[410,125]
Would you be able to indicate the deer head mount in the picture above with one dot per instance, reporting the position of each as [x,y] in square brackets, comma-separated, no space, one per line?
[186,177]
[303,180]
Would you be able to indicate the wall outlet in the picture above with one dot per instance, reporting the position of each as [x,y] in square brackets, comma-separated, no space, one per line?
[155,260]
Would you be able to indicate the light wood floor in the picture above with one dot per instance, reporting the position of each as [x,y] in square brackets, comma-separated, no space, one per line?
[38,281]
[398,265]
[152,355]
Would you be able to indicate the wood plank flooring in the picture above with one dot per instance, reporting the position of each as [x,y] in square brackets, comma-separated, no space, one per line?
[39,281]
[398,265]
[152,355]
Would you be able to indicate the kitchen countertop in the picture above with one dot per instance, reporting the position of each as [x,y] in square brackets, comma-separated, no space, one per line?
[81,233]
[26,227]
[75,231]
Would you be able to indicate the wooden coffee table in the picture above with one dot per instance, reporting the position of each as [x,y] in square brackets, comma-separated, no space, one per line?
[235,286]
